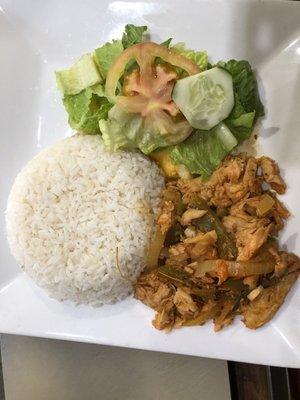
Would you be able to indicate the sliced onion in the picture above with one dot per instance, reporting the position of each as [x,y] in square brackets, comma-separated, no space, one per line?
[236,269]
[156,244]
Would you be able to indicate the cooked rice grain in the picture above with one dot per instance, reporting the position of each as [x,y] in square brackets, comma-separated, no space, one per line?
[70,209]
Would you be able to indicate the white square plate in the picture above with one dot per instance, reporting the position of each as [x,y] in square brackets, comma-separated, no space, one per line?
[38,37]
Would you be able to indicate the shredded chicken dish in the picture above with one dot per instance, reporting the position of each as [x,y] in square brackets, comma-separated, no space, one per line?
[215,253]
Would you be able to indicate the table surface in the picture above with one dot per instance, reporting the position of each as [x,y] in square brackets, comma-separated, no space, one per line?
[44,369]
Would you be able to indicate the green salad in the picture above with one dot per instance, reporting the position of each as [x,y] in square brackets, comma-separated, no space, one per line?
[165,100]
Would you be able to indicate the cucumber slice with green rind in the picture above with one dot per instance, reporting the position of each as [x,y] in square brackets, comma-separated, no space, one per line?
[205,99]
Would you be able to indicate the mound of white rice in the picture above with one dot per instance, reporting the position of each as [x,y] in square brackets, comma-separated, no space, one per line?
[69,211]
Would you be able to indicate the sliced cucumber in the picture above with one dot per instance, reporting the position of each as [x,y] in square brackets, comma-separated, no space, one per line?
[226,137]
[205,99]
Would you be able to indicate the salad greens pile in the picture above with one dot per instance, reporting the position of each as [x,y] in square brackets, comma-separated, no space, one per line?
[165,99]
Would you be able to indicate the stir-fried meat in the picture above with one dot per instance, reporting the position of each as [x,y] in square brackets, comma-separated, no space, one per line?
[159,296]
[165,317]
[282,261]
[293,261]
[218,254]
[271,174]
[281,210]
[260,206]
[179,252]
[208,311]
[190,232]
[251,281]
[259,311]
[152,291]
[249,241]
[233,193]
[279,213]
[184,303]
[190,214]
[225,315]
[202,244]
[234,224]
[252,231]
[166,217]
[236,177]
[249,178]
[206,239]
[222,272]
[231,170]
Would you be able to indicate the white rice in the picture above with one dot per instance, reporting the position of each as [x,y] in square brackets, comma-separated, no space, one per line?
[70,209]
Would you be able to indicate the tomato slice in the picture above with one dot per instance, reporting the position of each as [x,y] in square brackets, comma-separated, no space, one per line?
[148,90]
[142,98]
[145,55]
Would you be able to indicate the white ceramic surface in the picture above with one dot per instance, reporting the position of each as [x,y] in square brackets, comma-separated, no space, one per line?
[37,37]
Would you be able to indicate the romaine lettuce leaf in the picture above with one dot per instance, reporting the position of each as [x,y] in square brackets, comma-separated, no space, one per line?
[128,131]
[82,74]
[133,35]
[203,151]
[247,105]
[167,43]
[241,126]
[106,55]
[84,98]
[246,86]
[119,131]
[86,108]
[199,57]
[245,120]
